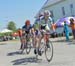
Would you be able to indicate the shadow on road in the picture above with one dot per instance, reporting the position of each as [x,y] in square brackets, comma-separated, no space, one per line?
[14,53]
[25,61]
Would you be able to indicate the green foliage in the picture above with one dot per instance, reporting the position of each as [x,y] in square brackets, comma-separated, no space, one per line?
[5,34]
[11,26]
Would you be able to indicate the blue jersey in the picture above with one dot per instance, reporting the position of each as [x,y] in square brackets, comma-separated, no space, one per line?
[26,28]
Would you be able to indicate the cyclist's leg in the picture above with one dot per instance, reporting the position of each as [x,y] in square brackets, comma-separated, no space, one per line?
[27,33]
[35,38]
[21,42]
[32,39]
[39,40]
[36,42]
[47,36]
[39,37]
[24,40]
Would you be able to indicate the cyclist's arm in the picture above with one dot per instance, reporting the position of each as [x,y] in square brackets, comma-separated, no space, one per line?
[23,29]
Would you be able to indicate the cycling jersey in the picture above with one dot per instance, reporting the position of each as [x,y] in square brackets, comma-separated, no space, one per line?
[26,29]
[45,27]
[45,24]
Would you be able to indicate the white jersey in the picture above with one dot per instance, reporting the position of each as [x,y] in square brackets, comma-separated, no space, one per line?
[47,23]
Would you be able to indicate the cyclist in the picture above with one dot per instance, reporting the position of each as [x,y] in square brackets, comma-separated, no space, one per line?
[26,30]
[44,25]
[20,36]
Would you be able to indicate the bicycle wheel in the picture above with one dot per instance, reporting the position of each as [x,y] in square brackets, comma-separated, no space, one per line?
[28,47]
[49,51]
[42,46]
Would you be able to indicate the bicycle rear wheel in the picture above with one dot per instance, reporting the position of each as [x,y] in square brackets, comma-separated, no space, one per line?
[49,51]
[28,47]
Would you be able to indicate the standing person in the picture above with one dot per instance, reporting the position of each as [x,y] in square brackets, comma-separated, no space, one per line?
[72,25]
[20,36]
[54,29]
[66,30]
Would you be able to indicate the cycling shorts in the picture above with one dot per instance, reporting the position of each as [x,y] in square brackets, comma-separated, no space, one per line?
[37,33]
[43,27]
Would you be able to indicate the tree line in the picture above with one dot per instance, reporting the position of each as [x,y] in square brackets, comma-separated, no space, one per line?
[12,26]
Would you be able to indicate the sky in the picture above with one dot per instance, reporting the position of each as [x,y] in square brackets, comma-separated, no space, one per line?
[18,11]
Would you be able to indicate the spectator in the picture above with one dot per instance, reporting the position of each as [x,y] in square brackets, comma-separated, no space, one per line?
[72,25]
[66,31]
[54,29]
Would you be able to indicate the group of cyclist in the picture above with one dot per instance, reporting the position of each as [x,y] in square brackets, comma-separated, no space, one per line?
[36,31]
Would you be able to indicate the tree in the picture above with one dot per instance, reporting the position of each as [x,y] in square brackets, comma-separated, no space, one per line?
[11,26]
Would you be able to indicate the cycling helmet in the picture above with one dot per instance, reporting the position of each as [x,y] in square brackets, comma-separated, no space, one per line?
[27,22]
[47,13]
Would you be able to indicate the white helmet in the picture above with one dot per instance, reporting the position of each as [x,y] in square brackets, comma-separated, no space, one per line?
[47,12]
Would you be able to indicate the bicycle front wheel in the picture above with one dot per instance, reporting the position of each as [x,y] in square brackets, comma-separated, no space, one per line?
[49,51]
[28,47]
[23,47]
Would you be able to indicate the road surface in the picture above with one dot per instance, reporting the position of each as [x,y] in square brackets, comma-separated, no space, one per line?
[64,54]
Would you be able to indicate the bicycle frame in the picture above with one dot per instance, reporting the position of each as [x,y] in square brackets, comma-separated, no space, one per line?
[46,37]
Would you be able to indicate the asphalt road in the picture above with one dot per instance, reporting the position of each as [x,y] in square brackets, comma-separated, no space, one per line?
[64,54]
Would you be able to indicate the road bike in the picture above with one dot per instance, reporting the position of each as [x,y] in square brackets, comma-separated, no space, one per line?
[27,46]
[46,47]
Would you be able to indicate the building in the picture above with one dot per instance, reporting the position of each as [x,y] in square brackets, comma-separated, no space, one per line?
[59,8]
